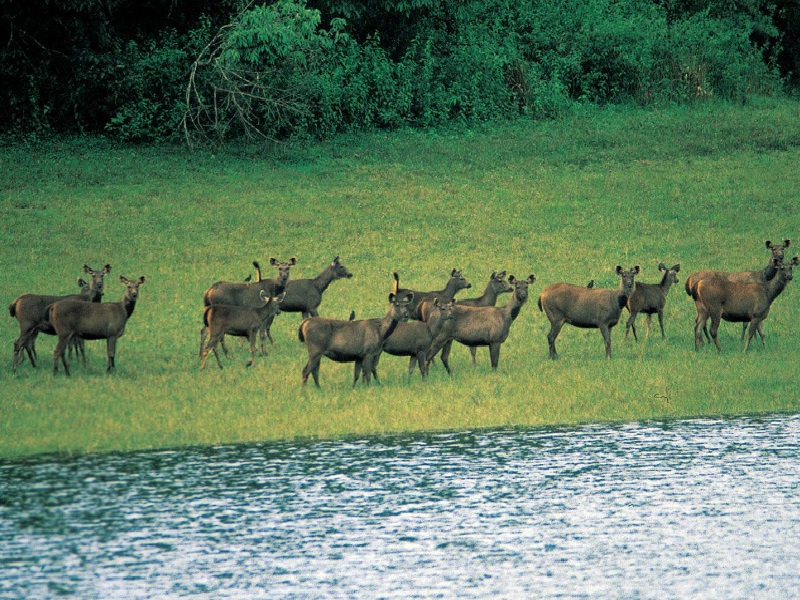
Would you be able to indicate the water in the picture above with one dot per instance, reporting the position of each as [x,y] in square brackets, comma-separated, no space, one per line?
[691,509]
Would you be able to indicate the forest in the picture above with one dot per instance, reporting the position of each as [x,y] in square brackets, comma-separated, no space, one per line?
[204,72]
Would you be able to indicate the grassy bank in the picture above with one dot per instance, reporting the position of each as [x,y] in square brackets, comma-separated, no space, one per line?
[566,200]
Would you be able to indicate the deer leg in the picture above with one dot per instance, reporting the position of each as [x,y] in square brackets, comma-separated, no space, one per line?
[744,330]
[446,356]
[268,329]
[312,368]
[80,348]
[605,331]
[494,354]
[473,351]
[252,339]
[761,333]
[555,329]
[631,325]
[61,346]
[700,326]
[661,323]
[649,319]
[203,333]
[754,325]
[357,372]
[714,329]
[111,344]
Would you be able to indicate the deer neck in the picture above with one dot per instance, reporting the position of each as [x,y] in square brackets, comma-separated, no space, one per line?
[324,279]
[128,304]
[387,326]
[775,286]
[514,306]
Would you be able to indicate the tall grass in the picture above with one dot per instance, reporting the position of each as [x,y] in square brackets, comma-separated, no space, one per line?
[567,200]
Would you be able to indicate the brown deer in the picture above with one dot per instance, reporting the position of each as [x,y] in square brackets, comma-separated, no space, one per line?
[586,308]
[758,276]
[249,294]
[497,285]
[358,341]
[456,283]
[241,321]
[414,338]
[476,326]
[650,299]
[305,295]
[30,312]
[92,321]
[748,303]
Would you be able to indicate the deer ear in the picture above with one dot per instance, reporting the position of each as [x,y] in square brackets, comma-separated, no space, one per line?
[453,273]
[618,270]
[636,270]
[512,279]
[409,297]
[141,280]
[292,261]
[81,282]
[662,266]
[107,269]
[768,244]
[795,261]
[87,269]
[531,278]
[677,268]
[786,243]
[392,297]
[273,261]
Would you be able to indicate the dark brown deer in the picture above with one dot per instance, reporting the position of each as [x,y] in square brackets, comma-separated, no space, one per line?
[30,312]
[586,308]
[497,285]
[749,303]
[650,299]
[758,276]
[359,341]
[241,321]
[249,294]
[305,295]
[414,338]
[92,321]
[456,283]
[476,326]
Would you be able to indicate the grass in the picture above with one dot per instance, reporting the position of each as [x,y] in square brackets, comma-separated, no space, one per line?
[567,200]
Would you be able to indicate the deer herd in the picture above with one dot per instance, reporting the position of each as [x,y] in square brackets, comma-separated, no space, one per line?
[418,324]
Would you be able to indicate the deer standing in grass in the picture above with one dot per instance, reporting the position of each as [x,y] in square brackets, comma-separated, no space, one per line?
[359,341]
[650,299]
[414,338]
[456,283]
[748,303]
[92,321]
[497,285]
[586,308]
[242,321]
[476,326]
[30,312]
[777,253]
[249,294]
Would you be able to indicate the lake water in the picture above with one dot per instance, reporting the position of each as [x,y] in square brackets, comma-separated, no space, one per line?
[684,509]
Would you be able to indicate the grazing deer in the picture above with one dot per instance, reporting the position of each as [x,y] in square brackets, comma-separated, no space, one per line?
[476,326]
[92,321]
[30,312]
[650,299]
[586,308]
[358,341]
[249,294]
[414,338]
[748,303]
[454,285]
[242,321]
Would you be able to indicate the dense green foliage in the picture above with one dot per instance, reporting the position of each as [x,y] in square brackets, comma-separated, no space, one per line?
[215,70]
[566,199]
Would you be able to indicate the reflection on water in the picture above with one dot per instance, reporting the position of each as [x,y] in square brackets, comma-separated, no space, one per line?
[690,509]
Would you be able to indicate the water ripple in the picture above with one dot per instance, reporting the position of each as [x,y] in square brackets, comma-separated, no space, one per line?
[698,508]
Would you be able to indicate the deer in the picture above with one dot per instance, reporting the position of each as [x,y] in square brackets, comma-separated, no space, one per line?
[476,326]
[242,321]
[748,303]
[455,283]
[249,294]
[30,312]
[414,338]
[359,341]
[497,285]
[650,299]
[586,308]
[93,321]
[777,251]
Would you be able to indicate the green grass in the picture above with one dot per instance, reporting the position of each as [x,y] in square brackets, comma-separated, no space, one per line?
[567,200]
